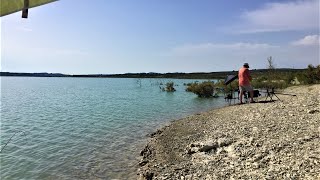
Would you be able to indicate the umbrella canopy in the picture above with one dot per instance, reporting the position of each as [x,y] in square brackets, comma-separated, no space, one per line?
[12,6]
[230,78]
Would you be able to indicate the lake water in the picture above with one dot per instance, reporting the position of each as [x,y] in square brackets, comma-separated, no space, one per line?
[85,128]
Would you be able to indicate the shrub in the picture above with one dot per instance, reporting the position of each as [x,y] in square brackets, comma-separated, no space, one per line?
[261,79]
[278,84]
[310,76]
[191,86]
[289,78]
[169,87]
[204,89]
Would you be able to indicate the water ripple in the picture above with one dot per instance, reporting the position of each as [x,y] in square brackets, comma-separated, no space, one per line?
[83,128]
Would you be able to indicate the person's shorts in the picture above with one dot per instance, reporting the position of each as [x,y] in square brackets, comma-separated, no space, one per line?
[246,88]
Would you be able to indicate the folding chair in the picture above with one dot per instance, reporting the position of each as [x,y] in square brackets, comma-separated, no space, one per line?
[229,96]
[246,95]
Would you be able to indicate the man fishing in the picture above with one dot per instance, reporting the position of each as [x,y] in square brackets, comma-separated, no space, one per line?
[244,82]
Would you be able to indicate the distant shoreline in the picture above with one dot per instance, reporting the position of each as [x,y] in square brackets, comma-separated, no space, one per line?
[178,75]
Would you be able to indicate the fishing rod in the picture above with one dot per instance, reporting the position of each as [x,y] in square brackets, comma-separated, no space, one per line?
[286,94]
[20,131]
[272,91]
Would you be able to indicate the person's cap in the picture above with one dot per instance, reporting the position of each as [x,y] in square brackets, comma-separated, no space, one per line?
[246,64]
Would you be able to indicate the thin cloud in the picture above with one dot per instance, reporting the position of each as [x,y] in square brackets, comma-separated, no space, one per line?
[206,56]
[288,16]
[309,40]
[213,47]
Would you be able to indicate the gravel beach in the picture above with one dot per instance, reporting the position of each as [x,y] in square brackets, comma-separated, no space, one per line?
[263,140]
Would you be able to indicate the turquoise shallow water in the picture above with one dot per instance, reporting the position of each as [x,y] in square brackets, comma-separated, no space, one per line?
[85,128]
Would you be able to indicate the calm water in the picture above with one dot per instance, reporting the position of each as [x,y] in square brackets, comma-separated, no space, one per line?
[85,128]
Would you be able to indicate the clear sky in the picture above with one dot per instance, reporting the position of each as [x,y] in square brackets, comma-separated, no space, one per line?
[120,36]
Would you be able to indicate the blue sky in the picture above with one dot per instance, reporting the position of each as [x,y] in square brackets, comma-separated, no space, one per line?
[120,36]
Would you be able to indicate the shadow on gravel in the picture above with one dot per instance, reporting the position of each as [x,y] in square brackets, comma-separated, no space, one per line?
[264,102]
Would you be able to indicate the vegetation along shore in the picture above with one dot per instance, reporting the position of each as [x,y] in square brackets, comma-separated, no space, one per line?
[177,75]
[266,140]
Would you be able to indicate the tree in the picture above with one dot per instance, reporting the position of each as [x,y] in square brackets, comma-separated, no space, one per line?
[271,64]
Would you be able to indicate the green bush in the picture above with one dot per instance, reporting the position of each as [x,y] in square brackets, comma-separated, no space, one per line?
[310,76]
[289,78]
[278,84]
[261,78]
[169,87]
[274,79]
[227,88]
[191,86]
[204,89]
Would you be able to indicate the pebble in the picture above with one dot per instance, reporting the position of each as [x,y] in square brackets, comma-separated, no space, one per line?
[237,143]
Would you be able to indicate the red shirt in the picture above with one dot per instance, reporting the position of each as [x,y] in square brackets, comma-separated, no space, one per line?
[244,77]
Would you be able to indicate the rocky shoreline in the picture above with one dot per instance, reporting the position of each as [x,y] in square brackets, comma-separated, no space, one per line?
[275,140]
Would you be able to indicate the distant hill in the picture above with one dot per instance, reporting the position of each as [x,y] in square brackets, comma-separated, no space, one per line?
[177,75]
[33,74]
